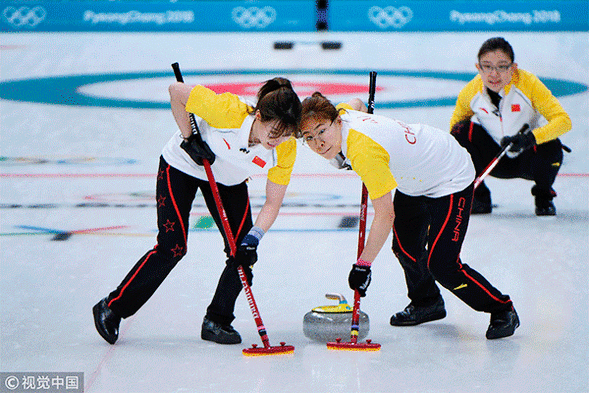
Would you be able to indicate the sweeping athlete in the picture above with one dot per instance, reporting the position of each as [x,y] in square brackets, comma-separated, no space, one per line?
[490,111]
[239,138]
[432,179]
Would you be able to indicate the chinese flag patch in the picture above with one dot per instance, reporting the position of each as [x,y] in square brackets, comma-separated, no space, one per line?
[259,162]
[515,108]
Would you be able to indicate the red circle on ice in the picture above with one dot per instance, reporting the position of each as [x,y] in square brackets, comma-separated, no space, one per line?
[302,88]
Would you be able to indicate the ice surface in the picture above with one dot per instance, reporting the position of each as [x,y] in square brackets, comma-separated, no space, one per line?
[91,169]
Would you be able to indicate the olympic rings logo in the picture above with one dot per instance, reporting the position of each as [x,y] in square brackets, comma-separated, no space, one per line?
[24,16]
[390,16]
[253,16]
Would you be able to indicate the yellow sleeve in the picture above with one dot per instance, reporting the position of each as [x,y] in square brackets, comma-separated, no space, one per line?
[286,155]
[547,105]
[462,110]
[371,162]
[343,107]
[218,110]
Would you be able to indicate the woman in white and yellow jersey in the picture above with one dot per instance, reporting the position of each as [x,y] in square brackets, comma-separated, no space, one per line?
[241,138]
[492,109]
[431,177]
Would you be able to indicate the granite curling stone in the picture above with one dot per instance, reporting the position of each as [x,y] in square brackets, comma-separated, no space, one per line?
[328,323]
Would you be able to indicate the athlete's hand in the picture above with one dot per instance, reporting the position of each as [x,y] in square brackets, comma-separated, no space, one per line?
[520,142]
[359,278]
[198,151]
[247,254]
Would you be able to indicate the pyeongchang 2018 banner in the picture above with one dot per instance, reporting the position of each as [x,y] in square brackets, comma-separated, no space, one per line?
[432,15]
[184,16]
[293,15]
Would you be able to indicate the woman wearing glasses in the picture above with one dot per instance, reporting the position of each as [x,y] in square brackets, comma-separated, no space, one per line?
[490,112]
[420,181]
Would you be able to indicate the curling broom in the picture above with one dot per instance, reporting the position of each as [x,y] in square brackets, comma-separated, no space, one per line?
[353,344]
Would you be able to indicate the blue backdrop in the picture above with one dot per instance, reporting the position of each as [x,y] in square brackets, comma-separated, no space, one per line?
[294,15]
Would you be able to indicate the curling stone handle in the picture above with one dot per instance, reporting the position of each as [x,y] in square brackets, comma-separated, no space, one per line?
[336,296]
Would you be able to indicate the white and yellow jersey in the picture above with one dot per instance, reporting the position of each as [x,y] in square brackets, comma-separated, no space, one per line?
[417,159]
[524,100]
[225,124]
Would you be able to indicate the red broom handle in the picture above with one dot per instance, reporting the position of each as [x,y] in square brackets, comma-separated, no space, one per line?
[231,240]
[362,225]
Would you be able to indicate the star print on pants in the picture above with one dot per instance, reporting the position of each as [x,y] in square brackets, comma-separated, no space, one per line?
[169,226]
[178,250]
[161,201]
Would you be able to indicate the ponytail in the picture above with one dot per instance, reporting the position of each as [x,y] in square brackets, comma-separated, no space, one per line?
[277,100]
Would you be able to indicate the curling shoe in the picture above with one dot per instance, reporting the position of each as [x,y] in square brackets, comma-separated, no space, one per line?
[221,334]
[503,324]
[543,200]
[414,315]
[545,209]
[106,321]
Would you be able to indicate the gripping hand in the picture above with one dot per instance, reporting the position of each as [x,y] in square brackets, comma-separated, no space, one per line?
[247,254]
[359,278]
[198,150]
[521,141]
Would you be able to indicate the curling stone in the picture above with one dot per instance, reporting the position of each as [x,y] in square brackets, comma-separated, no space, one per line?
[328,323]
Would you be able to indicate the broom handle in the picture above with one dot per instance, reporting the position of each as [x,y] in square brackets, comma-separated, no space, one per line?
[362,229]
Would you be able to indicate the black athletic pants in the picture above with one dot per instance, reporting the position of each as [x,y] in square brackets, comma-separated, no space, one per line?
[427,239]
[540,163]
[175,193]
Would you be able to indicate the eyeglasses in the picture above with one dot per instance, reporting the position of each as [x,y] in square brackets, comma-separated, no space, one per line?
[308,138]
[487,68]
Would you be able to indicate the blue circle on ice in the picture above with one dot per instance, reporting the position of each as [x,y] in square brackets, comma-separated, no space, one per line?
[68,90]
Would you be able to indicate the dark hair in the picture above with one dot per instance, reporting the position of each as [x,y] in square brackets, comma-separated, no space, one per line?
[496,43]
[317,107]
[277,100]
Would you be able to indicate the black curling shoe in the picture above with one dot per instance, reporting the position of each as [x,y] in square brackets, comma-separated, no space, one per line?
[543,199]
[414,315]
[503,324]
[545,208]
[221,334]
[106,321]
